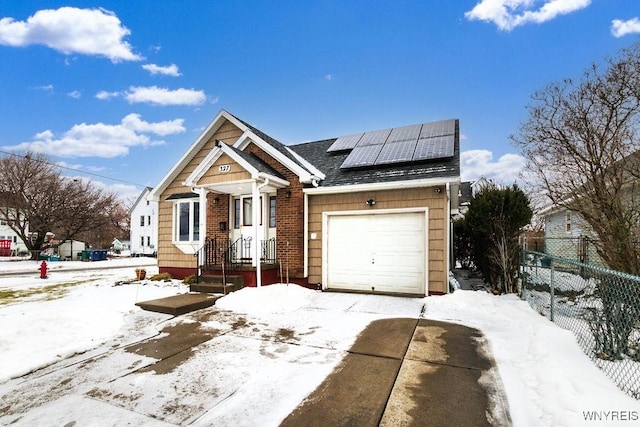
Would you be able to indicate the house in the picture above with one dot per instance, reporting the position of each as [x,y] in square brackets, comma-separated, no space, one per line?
[365,212]
[12,243]
[568,235]
[144,225]
[120,246]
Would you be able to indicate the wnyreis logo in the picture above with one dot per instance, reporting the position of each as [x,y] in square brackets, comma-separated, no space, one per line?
[611,415]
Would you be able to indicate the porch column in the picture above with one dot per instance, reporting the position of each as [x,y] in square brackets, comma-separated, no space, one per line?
[202,220]
[255,203]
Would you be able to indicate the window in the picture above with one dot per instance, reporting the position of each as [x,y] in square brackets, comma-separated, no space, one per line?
[567,222]
[247,212]
[272,211]
[149,220]
[149,241]
[142,220]
[187,221]
[236,213]
[142,241]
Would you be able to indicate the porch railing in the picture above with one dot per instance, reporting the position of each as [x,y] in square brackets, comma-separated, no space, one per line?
[229,255]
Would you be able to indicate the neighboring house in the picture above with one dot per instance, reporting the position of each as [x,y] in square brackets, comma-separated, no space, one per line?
[144,225]
[17,245]
[120,245]
[365,212]
[567,235]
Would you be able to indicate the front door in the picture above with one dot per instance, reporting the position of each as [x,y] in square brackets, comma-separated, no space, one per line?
[243,230]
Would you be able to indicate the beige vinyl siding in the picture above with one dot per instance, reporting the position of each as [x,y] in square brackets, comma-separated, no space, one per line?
[388,199]
[168,254]
[214,176]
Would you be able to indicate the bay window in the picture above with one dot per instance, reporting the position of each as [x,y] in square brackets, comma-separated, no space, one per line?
[186,216]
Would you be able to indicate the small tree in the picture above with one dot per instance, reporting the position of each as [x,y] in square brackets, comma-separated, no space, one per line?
[493,222]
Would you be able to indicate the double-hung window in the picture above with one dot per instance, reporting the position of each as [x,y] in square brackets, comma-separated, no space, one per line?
[186,216]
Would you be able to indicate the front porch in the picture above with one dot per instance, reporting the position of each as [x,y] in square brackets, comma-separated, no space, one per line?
[226,264]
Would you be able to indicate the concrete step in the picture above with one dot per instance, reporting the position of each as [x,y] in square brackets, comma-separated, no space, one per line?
[213,284]
[179,304]
[216,279]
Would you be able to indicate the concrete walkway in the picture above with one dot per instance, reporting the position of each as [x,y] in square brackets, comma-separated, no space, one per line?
[405,372]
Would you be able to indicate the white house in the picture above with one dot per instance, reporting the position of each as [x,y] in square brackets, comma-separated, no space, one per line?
[144,225]
[7,234]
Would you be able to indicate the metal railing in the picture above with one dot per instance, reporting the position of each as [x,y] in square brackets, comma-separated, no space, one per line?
[600,306]
[227,255]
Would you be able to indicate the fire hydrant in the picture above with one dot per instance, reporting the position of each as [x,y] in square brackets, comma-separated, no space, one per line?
[43,270]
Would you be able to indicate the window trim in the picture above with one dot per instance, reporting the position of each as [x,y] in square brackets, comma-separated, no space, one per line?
[273,209]
[193,225]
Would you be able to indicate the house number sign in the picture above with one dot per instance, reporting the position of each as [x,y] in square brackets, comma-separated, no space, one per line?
[224,168]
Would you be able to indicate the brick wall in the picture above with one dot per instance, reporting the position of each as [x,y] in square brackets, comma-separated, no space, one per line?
[217,211]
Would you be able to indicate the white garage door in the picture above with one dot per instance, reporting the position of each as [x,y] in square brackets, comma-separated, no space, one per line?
[377,252]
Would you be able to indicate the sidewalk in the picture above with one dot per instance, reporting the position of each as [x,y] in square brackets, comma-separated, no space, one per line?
[409,372]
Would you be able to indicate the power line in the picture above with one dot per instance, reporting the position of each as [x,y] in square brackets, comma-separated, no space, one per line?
[74,169]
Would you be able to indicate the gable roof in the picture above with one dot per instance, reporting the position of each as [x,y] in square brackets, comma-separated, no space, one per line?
[271,146]
[141,197]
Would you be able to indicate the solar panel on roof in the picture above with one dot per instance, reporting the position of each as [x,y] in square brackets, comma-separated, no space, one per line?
[434,148]
[345,142]
[413,143]
[404,133]
[362,156]
[374,138]
[444,127]
[396,152]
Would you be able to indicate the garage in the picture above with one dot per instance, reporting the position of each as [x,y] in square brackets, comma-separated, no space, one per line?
[376,252]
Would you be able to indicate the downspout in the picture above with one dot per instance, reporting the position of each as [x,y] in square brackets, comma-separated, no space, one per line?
[449,236]
[256,226]
[306,235]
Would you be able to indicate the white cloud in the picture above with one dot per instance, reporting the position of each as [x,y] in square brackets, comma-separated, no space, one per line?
[169,70]
[134,122]
[328,77]
[45,88]
[477,163]
[101,140]
[163,96]
[508,14]
[621,28]
[104,95]
[76,94]
[71,30]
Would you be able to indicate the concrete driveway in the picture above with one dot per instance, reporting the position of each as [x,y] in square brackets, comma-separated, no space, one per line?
[214,367]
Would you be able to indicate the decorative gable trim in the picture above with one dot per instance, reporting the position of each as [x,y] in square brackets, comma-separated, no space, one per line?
[204,137]
[222,148]
[241,143]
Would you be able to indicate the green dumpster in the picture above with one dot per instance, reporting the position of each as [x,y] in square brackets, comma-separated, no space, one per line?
[85,255]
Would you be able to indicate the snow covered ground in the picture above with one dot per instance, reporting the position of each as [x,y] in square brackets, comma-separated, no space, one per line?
[59,323]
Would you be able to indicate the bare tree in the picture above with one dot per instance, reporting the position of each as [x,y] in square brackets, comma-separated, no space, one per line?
[36,199]
[581,145]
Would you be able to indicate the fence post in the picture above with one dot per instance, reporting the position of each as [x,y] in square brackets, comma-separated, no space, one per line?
[551,290]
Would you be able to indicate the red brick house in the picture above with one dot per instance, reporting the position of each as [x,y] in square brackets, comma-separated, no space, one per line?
[364,212]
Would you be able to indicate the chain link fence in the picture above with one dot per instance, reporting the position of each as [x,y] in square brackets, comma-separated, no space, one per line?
[600,306]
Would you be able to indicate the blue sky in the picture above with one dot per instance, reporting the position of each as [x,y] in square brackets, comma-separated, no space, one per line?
[120,89]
